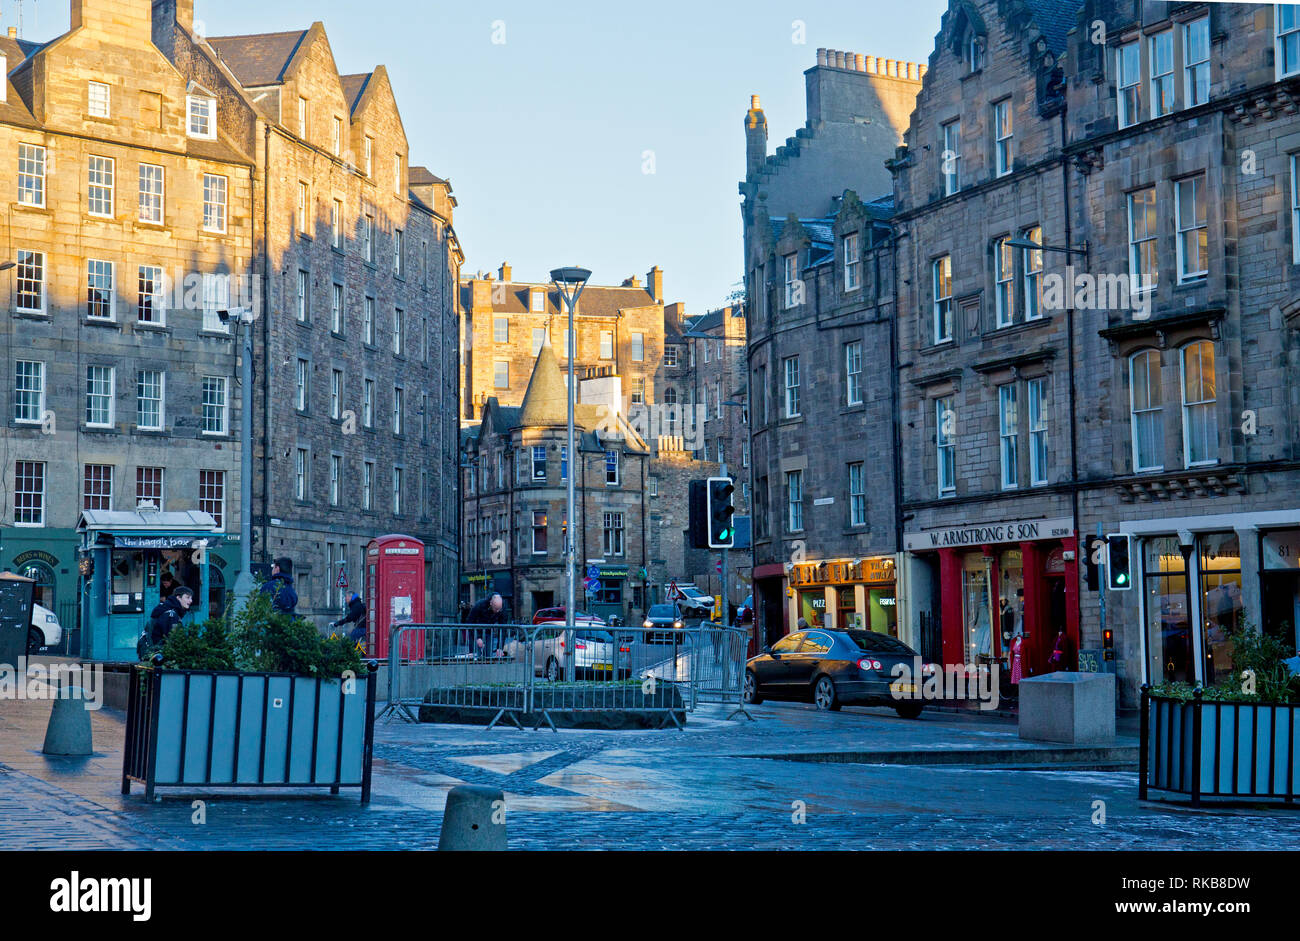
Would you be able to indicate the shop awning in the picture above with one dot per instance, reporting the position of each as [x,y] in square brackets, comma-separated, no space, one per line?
[148,529]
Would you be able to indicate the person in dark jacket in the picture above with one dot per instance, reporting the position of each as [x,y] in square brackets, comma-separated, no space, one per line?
[489,610]
[356,616]
[168,613]
[280,586]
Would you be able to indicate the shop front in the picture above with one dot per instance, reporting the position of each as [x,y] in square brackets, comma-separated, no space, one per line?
[986,583]
[475,586]
[1203,578]
[846,594]
[609,596]
[127,560]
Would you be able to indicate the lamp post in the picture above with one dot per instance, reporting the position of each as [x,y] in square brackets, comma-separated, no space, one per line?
[570,282]
[244,585]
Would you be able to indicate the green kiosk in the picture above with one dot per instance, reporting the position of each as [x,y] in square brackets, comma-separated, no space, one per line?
[125,558]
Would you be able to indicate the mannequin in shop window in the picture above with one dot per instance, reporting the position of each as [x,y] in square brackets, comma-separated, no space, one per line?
[982,630]
[1017,667]
[1057,660]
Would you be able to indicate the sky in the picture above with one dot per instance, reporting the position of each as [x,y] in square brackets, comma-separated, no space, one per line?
[602,134]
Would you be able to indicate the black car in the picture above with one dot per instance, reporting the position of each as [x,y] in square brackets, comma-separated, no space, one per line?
[832,667]
[670,618]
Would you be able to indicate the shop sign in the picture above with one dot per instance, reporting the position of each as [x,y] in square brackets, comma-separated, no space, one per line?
[879,569]
[401,550]
[35,555]
[613,571]
[1281,550]
[154,542]
[991,533]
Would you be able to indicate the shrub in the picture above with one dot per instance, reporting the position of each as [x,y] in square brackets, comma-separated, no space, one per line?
[261,639]
[1254,651]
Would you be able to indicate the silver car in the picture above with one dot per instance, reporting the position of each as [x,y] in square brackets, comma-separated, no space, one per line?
[594,653]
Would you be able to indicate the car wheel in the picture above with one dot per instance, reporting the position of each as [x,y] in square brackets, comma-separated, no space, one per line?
[553,670]
[824,695]
[909,710]
[35,639]
[751,689]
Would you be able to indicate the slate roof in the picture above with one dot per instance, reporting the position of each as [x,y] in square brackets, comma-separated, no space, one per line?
[258,59]
[546,401]
[1054,19]
[354,86]
[420,176]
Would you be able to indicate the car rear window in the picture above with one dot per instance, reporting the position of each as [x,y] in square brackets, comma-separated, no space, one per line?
[602,636]
[879,643]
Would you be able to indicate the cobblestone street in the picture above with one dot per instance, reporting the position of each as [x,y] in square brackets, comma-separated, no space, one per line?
[640,790]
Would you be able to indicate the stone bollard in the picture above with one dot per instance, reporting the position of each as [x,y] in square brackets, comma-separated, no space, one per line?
[468,820]
[69,730]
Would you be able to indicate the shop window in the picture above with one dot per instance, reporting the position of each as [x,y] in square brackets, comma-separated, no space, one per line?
[976,608]
[1221,605]
[1168,619]
[1011,595]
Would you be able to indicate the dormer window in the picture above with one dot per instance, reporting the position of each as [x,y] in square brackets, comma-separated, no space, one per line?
[974,52]
[202,112]
[4,73]
[539,302]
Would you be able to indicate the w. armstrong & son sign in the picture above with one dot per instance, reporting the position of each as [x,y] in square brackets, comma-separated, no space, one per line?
[989,533]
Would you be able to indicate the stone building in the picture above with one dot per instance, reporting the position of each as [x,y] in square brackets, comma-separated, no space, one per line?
[516,467]
[619,333]
[354,410]
[1185,169]
[820,355]
[130,223]
[986,408]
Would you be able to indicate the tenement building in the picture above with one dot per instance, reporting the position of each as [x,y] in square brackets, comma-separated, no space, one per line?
[163,183]
[819,268]
[354,410]
[129,225]
[1185,169]
[515,523]
[986,408]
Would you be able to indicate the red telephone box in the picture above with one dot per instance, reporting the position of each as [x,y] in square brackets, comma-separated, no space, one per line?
[395,592]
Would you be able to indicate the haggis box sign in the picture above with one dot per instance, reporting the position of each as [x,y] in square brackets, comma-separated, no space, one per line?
[988,533]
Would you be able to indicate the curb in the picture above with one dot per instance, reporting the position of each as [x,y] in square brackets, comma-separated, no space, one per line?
[1117,756]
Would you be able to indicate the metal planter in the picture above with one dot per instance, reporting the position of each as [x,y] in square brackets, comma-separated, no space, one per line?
[199,728]
[1205,749]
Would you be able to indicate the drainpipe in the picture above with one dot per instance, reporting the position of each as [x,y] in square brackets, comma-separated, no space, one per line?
[266,346]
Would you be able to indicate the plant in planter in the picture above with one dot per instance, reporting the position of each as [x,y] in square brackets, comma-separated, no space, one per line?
[260,700]
[1237,738]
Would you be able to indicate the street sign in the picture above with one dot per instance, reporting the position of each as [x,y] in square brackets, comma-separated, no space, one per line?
[593,571]
[342,580]
[718,565]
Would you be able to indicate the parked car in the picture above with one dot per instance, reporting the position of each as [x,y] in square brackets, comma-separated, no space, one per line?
[832,667]
[594,653]
[46,631]
[670,618]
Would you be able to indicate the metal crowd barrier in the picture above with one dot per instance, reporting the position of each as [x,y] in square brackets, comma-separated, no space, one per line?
[527,672]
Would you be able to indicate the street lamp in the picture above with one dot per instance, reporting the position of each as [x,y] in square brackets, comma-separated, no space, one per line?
[244,585]
[570,282]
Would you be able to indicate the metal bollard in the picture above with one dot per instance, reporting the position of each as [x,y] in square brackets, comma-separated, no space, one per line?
[474,819]
[69,730]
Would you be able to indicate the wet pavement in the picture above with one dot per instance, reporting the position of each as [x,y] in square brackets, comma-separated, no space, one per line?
[633,790]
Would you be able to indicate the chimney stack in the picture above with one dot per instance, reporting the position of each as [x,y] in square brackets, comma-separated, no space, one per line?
[755,137]
[504,272]
[654,282]
[13,32]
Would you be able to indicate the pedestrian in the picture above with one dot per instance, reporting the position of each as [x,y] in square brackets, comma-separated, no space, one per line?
[802,625]
[280,586]
[166,585]
[168,613]
[490,610]
[356,616]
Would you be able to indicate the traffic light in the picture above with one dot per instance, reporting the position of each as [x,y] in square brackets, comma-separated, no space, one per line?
[722,532]
[1119,574]
[699,514]
[1093,547]
[1108,644]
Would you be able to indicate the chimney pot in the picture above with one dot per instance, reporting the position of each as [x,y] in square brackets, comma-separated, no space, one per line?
[860,63]
[13,32]
[920,71]
[821,56]
[871,64]
[891,67]
[910,69]
[753,103]
[839,60]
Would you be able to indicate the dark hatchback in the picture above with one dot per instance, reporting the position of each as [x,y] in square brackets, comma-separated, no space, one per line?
[831,667]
